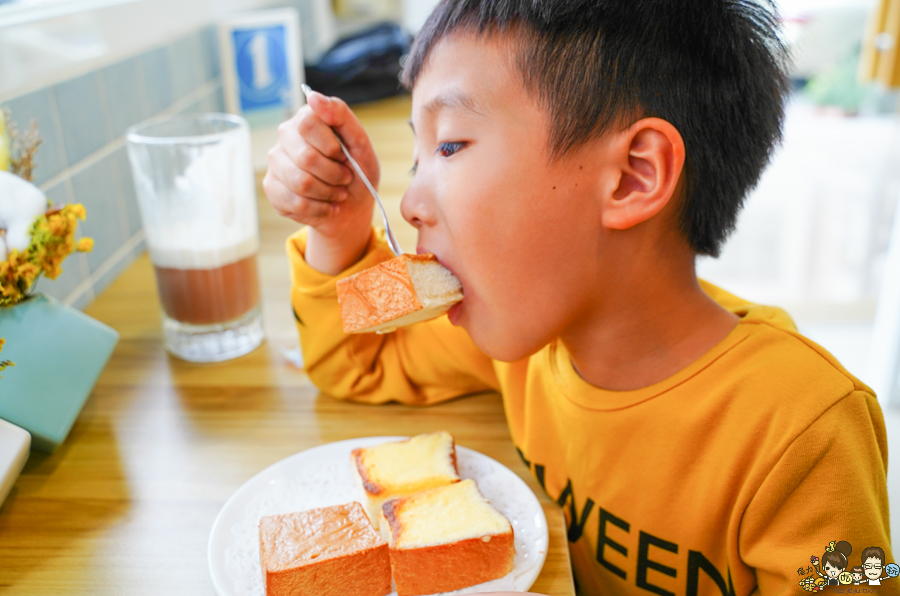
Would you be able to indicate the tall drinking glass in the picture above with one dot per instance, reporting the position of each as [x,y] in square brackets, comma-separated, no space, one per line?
[195,187]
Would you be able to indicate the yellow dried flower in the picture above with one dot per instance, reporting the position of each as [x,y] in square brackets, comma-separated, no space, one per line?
[52,240]
[4,363]
[57,226]
[52,234]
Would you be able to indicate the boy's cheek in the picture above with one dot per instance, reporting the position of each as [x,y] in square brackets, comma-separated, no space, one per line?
[506,333]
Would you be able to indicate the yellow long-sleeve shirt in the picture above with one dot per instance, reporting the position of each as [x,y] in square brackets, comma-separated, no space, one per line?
[724,478]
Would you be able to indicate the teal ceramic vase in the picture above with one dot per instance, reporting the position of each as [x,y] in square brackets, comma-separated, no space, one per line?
[58,353]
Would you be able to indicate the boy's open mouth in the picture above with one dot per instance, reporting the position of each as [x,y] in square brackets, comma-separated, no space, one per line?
[455,312]
[421,250]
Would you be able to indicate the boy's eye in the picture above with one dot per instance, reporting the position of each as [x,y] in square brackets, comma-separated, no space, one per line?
[415,166]
[448,148]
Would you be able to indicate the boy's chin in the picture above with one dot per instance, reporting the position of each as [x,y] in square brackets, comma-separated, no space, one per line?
[501,345]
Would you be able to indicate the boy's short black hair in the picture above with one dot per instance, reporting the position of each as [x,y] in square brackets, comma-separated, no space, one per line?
[714,69]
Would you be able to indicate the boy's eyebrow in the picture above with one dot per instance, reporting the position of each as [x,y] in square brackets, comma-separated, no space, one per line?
[454,100]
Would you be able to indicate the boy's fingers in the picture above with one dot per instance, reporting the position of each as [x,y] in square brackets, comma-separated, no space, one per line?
[288,204]
[313,213]
[302,183]
[310,159]
[312,130]
[337,114]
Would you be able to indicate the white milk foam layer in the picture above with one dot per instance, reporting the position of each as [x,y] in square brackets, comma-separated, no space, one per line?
[202,216]
[174,258]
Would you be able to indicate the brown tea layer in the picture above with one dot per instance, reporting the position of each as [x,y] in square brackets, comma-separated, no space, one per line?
[209,296]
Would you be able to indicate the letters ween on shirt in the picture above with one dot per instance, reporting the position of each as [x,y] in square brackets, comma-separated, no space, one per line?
[577,515]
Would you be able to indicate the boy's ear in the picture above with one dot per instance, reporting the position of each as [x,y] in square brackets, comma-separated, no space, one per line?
[649,160]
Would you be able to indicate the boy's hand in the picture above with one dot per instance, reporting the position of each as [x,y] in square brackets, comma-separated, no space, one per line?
[310,181]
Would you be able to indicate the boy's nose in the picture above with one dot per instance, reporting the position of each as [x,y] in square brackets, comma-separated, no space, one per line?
[416,208]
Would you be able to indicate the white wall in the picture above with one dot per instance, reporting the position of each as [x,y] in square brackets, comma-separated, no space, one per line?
[415,12]
[42,52]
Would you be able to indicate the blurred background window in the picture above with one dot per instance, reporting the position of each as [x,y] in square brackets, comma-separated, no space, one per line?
[30,2]
[13,12]
[814,234]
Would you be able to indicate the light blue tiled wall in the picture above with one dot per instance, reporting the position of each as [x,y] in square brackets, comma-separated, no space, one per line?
[82,158]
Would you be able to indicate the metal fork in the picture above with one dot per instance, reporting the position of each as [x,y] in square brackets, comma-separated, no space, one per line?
[392,241]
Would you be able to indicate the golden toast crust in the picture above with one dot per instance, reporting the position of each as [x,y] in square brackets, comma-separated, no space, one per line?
[379,295]
[309,553]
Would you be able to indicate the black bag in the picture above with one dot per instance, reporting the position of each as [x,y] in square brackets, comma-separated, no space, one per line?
[362,67]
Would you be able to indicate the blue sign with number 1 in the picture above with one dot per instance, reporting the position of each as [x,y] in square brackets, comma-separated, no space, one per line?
[261,63]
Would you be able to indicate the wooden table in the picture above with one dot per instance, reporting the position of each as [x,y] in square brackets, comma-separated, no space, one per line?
[126,505]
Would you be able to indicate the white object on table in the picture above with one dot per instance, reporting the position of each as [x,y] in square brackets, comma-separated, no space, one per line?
[15,443]
[294,356]
[20,203]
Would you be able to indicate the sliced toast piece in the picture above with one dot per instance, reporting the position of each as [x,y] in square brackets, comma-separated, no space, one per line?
[332,551]
[401,468]
[395,293]
[447,538]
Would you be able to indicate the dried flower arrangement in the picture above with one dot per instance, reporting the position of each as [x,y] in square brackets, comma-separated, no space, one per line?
[4,363]
[18,150]
[35,237]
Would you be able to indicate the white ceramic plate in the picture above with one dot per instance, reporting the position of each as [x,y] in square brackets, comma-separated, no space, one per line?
[322,476]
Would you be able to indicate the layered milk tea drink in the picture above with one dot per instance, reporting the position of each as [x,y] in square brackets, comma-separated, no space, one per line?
[195,186]
[190,290]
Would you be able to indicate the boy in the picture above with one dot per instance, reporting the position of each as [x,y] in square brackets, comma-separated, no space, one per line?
[572,158]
